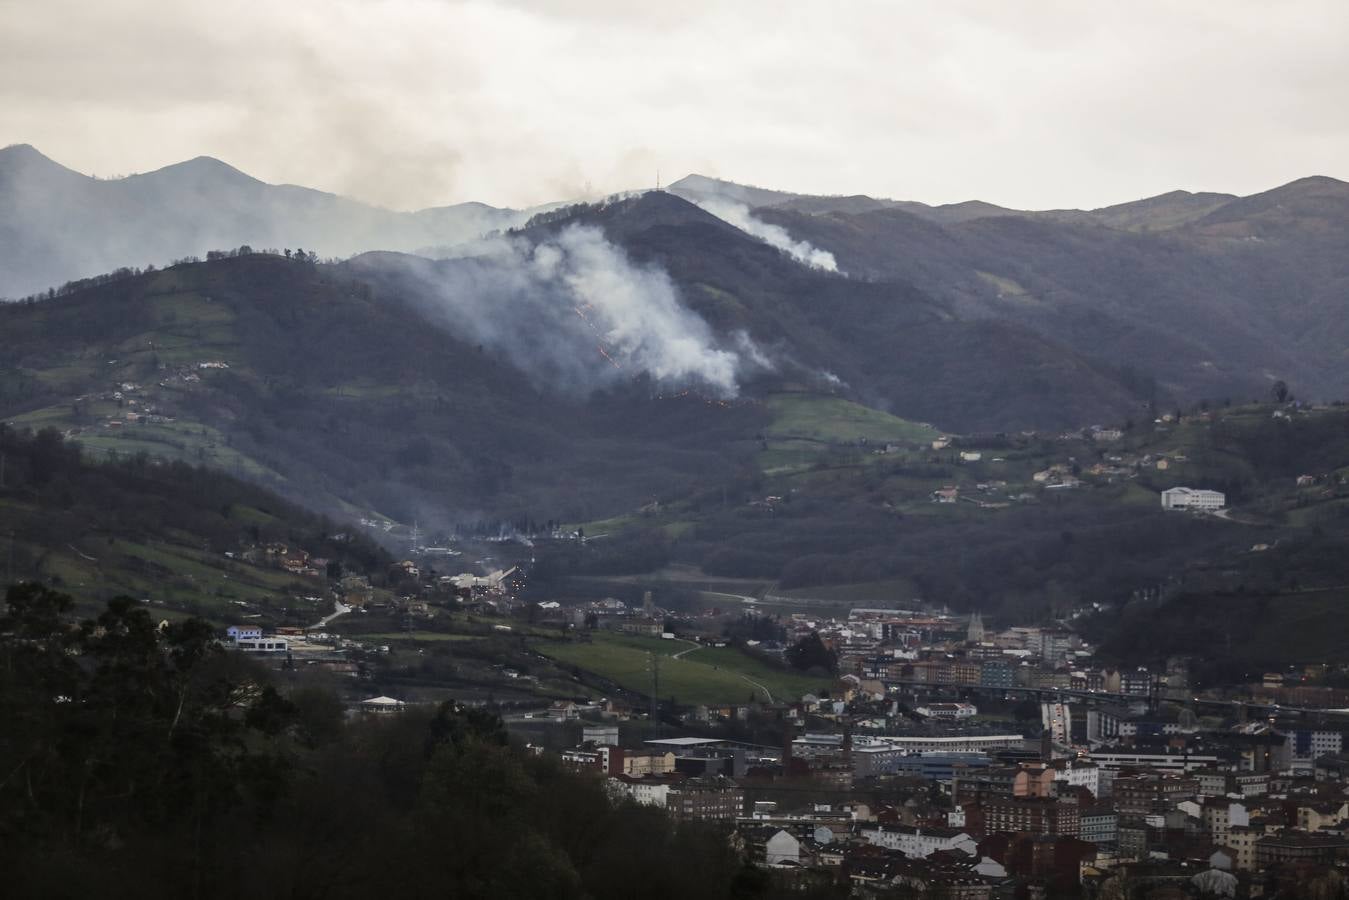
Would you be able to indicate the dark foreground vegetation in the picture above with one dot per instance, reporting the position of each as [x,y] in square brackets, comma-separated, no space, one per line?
[145,761]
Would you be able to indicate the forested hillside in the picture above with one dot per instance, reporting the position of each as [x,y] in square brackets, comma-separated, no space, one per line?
[1021,528]
[167,767]
[303,378]
[188,538]
[895,346]
[1202,295]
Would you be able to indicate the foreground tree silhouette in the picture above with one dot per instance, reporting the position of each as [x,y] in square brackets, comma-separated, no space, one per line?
[140,759]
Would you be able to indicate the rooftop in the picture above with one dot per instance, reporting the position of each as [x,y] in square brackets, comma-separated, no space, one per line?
[684,742]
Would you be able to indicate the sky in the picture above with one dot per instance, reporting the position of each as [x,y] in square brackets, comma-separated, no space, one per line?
[415,103]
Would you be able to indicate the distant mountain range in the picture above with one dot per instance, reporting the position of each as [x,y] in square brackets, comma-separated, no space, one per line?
[57,225]
[1155,213]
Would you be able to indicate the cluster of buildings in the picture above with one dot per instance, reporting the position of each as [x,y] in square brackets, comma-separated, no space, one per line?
[691,778]
[923,653]
[1123,783]
[988,815]
[135,404]
[278,555]
[1054,826]
[609,614]
[1110,465]
[127,404]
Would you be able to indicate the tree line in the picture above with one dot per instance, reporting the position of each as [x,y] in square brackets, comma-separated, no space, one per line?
[140,760]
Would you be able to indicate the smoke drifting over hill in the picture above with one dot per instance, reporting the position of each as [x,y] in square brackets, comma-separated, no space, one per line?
[574,312]
[738,214]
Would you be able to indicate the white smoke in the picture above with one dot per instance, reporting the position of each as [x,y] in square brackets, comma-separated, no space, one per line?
[832,380]
[738,214]
[745,344]
[636,311]
[573,311]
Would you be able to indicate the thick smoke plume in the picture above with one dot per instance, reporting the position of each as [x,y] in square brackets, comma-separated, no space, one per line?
[573,311]
[738,214]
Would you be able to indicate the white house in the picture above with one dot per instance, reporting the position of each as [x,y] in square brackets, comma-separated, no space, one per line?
[948,710]
[238,633]
[1193,498]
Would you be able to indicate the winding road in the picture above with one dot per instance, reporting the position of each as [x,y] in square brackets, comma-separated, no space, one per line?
[767,692]
[339,609]
[694,645]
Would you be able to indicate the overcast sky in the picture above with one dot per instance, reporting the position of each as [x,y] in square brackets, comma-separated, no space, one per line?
[413,103]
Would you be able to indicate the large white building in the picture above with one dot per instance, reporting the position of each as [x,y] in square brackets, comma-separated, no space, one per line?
[250,639]
[811,744]
[1115,759]
[948,710]
[1192,498]
[919,843]
[646,791]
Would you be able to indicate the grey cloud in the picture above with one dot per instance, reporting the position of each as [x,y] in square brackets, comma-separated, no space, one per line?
[413,103]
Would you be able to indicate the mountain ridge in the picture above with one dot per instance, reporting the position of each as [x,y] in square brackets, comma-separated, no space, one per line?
[60,225]
[1177,297]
